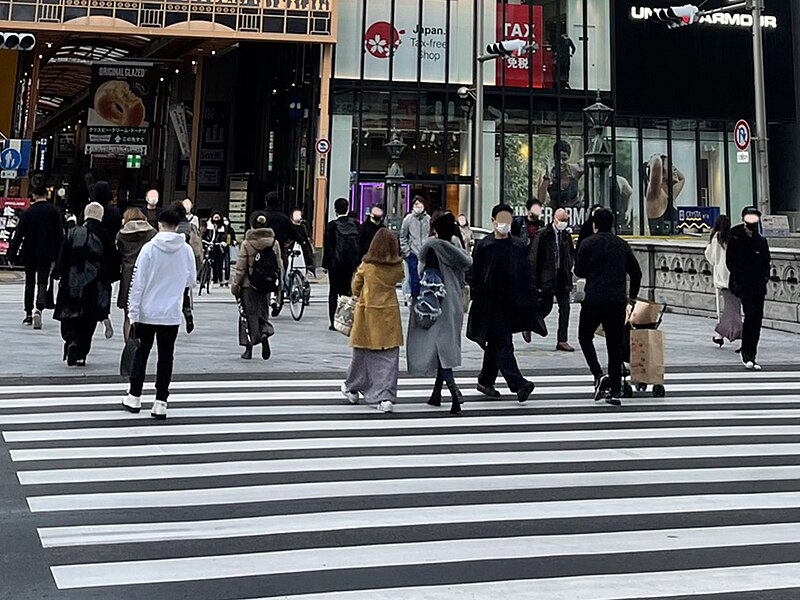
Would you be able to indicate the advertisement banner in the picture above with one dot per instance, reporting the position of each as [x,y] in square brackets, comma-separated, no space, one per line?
[522,71]
[212,172]
[123,103]
[177,115]
[697,219]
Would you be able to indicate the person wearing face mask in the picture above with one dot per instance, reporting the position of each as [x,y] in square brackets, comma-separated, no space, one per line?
[526,227]
[372,224]
[748,260]
[152,210]
[503,303]
[606,261]
[216,234]
[415,230]
[467,236]
[553,254]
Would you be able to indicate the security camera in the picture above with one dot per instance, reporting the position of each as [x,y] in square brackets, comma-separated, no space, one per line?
[463,92]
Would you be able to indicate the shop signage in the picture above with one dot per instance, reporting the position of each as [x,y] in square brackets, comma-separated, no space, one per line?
[262,20]
[643,13]
[522,71]
[177,115]
[14,203]
[697,219]
[775,226]
[213,169]
[122,105]
[134,161]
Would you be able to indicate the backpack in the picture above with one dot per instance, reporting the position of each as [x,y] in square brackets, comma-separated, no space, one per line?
[347,251]
[265,274]
[428,305]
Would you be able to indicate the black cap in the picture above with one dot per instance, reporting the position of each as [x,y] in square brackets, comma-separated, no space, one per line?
[750,210]
[502,208]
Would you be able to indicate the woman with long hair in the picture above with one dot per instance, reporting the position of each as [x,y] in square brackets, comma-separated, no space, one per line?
[135,233]
[377,332]
[437,348]
[730,321]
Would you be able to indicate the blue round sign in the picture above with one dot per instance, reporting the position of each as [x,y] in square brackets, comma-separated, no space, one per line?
[10,159]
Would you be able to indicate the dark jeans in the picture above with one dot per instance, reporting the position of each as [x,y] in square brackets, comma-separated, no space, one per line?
[340,282]
[413,274]
[37,278]
[164,336]
[222,263]
[612,318]
[498,356]
[753,305]
[546,305]
[78,331]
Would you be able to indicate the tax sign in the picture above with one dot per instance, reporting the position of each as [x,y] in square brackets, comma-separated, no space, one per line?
[741,135]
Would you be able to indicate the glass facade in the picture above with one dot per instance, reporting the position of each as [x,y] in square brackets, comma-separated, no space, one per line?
[402,66]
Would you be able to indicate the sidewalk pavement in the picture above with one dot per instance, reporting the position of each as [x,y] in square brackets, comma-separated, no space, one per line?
[308,347]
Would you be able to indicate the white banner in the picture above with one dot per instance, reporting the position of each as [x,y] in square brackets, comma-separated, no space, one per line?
[177,115]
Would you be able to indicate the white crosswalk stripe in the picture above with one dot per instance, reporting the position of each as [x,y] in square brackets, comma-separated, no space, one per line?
[255,490]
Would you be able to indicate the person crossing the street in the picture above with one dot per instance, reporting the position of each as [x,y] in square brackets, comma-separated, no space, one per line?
[341,254]
[606,261]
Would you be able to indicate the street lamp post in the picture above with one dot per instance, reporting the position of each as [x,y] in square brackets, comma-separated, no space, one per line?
[599,159]
[477,168]
[394,177]
[762,125]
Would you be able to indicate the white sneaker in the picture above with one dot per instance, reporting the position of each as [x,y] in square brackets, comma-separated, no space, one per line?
[37,319]
[756,366]
[386,406]
[748,364]
[159,410]
[109,329]
[132,403]
[352,397]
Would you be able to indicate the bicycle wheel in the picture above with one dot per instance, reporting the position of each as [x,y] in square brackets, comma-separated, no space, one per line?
[296,297]
[204,278]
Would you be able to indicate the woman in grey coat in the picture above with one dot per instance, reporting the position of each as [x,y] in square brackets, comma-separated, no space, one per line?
[437,349]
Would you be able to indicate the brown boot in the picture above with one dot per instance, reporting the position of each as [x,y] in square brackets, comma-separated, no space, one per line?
[564,347]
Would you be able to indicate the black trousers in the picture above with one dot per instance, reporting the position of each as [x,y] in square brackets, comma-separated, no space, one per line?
[498,356]
[254,323]
[753,305]
[37,278]
[612,318]
[546,305]
[79,331]
[340,282]
[164,337]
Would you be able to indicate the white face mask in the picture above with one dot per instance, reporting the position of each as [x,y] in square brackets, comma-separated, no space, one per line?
[561,225]
[503,228]
[152,201]
[418,210]
[462,222]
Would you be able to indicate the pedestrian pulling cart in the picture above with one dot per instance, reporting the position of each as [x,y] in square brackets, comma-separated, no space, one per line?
[645,349]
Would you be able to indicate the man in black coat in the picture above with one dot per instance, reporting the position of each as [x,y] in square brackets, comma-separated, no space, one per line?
[503,303]
[371,226]
[280,223]
[341,254]
[36,244]
[606,260]
[748,260]
[553,257]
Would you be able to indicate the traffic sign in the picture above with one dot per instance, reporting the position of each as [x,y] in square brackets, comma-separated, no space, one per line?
[15,156]
[742,135]
[323,145]
[8,174]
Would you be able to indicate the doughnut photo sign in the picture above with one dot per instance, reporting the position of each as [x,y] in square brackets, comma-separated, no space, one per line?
[122,102]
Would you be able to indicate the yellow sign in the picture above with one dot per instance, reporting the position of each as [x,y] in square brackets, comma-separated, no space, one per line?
[282,20]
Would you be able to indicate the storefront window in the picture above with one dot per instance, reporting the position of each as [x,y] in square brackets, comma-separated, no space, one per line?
[741,182]
[712,166]
[626,200]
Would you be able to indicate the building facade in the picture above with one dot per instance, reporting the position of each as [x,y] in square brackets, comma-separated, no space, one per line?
[400,64]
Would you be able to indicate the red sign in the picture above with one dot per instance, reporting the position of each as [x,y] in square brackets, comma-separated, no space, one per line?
[742,135]
[381,39]
[518,25]
[14,202]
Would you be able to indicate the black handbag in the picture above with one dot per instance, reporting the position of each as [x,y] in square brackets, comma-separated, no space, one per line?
[129,356]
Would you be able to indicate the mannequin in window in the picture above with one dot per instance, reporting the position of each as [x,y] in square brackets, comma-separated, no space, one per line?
[661,214]
[565,50]
[565,195]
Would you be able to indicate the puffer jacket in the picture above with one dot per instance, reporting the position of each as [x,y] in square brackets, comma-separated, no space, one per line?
[130,240]
[255,240]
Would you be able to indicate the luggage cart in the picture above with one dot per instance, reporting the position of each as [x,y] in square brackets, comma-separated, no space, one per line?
[628,385]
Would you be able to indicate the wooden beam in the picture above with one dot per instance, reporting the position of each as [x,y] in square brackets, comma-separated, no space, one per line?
[322,163]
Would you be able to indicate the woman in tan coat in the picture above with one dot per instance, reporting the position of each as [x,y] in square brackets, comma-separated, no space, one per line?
[377,332]
[254,325]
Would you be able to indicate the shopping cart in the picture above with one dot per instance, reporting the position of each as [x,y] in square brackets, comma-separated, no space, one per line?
[644,351]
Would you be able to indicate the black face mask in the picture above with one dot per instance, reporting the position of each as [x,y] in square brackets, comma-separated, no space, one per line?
[752,226]
[376,220]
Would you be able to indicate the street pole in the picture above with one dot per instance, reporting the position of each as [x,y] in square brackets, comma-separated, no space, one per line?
[477,168]
[762,127]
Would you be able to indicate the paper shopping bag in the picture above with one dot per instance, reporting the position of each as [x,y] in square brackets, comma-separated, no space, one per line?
[646,313]
[647,356]
[345,313]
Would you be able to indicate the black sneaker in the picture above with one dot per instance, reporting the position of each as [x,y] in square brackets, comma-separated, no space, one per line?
[72,354]
[265,350]
[613,400]
[488,390]
[525,391]
[28,320]
[601,386]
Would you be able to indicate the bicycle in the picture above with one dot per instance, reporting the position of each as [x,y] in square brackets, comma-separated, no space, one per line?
[296,289]
[206,269]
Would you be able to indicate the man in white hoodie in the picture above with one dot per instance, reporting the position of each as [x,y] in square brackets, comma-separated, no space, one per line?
[164,269]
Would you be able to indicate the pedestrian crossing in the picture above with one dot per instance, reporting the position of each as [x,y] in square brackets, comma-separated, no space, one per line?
[264,489]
